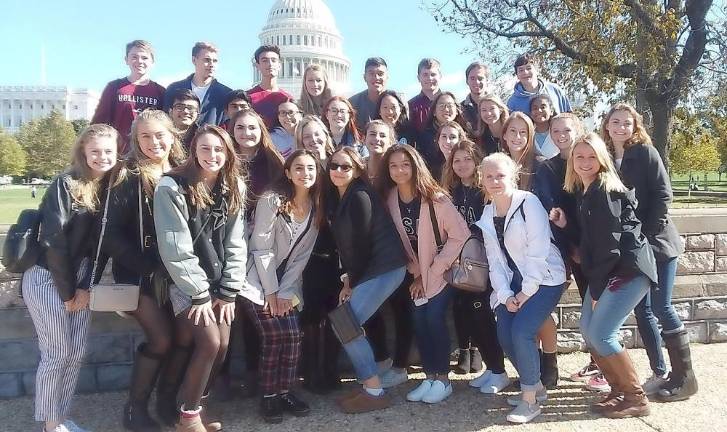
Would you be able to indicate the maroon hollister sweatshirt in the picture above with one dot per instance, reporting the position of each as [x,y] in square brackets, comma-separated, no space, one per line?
[121,101]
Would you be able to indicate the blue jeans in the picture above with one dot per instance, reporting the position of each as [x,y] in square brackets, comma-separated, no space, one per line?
[366,299]
[517,332]
[430,327]
[599,326]
[657,305]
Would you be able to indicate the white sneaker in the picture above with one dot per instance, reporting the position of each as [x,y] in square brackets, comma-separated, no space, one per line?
[438,392]
[73,427]
[481,380]
[418,393]
[653,384]
[524,412]
[496,384]
[59,428]
[393,377]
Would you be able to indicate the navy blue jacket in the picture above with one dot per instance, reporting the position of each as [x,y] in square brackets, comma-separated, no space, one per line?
[212,110]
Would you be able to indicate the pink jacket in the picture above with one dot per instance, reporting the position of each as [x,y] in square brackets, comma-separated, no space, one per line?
[427,263]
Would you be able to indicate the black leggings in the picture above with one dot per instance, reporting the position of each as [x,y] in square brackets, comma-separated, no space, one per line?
[401,306]
[157,324]
[475,322]
[210,347]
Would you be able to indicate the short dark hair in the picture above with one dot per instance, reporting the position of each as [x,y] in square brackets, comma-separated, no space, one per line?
[183,95]
[266,48]
[474,65]
[544,96]
[237,94]
[524,59]
[202,46]
[375,62]
[427,63]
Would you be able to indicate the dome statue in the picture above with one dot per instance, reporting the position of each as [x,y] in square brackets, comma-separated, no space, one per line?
[306,33]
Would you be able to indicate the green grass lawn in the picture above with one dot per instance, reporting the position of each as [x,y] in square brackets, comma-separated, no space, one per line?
[14,199]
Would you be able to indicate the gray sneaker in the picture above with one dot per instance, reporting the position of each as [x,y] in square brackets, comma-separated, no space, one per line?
[72,427]
[540,396]
[524,412]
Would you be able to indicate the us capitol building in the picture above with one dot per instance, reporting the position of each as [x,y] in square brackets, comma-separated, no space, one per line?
[306,33]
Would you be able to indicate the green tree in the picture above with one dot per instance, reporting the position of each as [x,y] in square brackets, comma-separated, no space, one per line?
[48,142]
[653,50]
[694,146]
[79,125]
[12,156]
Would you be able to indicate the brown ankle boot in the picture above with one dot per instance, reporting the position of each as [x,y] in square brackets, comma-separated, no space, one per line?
[615,396]
[634,403]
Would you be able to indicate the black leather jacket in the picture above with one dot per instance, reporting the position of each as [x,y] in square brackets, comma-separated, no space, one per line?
[132,261]
[368,243]
[68,234]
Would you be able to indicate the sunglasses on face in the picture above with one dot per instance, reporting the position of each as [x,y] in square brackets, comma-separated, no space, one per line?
[332,166]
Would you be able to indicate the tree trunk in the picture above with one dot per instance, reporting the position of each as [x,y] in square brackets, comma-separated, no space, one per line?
[662,118]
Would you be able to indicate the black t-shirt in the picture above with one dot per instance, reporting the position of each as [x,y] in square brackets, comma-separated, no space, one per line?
[470,203]
[410,219]
[499,222]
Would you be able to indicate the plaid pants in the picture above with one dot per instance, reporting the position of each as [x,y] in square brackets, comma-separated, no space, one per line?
[281,340]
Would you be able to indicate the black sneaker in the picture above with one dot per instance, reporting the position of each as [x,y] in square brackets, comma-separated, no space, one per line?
[290,403]
[270,409]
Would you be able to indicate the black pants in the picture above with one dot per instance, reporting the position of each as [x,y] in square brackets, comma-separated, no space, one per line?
[474,322]
[401,305]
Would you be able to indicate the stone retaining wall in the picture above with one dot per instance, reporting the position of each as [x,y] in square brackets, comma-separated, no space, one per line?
[700,297]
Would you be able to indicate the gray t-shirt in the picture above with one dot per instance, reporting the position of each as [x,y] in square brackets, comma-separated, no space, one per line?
[365,109]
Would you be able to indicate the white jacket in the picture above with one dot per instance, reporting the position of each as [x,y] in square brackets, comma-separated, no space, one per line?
[528,241]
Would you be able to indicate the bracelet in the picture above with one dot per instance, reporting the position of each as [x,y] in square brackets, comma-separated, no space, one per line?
[344,277]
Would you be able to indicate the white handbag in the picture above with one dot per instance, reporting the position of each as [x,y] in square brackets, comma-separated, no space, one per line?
[114,297]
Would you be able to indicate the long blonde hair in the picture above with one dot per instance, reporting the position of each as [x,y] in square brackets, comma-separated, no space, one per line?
[306,100]
[140,163]
[84,187]
[504,113]
[199,194]
[527,159]
[608,177]
[308,119]
[640,136]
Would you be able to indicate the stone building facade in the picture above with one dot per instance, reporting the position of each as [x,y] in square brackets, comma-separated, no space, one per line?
[21,104]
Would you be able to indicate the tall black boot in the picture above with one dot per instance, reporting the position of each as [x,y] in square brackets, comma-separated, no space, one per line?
[169,381]
[143,379]
[549,369]
[682,383]
[464,361]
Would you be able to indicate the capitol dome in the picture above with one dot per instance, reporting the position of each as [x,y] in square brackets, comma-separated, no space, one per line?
[306,33]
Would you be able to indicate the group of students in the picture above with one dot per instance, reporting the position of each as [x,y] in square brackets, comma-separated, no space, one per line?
[249,207]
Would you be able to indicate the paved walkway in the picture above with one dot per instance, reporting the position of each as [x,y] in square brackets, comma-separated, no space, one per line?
[465,410]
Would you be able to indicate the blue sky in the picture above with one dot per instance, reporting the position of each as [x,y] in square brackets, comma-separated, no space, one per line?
[84,40]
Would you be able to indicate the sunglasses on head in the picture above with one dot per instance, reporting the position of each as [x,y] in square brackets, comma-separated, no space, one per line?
[332,166]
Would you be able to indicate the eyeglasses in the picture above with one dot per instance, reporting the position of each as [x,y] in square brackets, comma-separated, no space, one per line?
[332,166]
[336,111]
[182,107]
[288,113]
[447,106]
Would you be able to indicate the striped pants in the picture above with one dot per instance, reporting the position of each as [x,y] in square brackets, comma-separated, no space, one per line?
[281,339]
[62,341]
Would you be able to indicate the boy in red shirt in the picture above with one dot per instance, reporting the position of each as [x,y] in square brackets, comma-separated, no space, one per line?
[266,96]
[124,98]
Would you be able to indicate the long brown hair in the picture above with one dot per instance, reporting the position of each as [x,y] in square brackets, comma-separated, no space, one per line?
[199,193]
[84,187]
[482,127]
[285,188]
[139,163]
[351,126]
[640,136]
[527,159]
[306,100]
[450,180]
[425,186]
